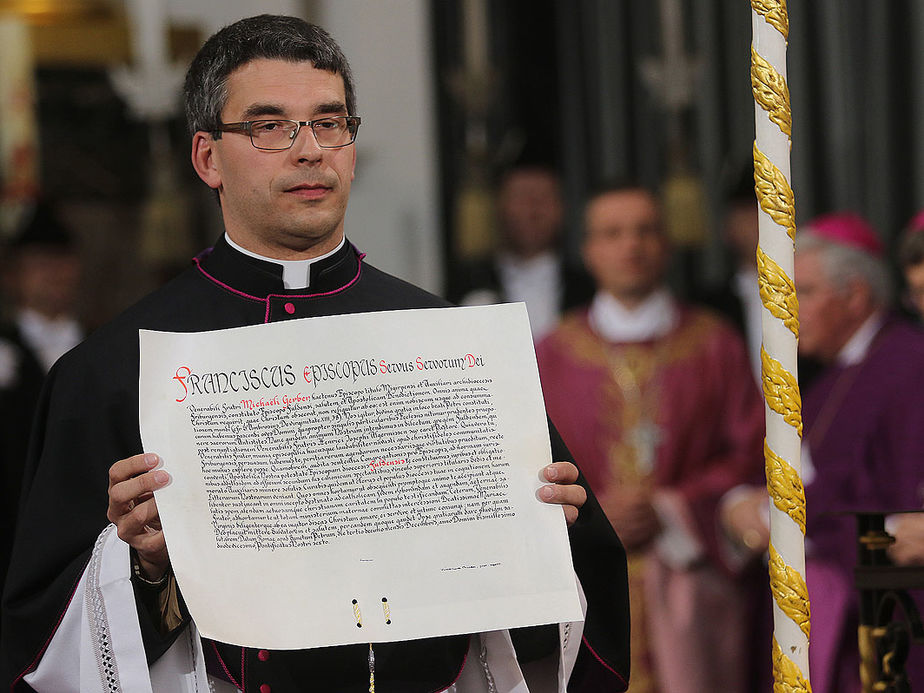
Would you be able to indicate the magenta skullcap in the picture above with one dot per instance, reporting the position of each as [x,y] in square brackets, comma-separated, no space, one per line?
[847,228]
[917,223]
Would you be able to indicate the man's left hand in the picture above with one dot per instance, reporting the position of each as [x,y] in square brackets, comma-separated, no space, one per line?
[909,540]
[563,490]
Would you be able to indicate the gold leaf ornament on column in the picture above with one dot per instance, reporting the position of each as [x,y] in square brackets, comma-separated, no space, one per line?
[785,487]
[774,13]
[781,391]
[786,675]
[771,92]
[789,590]
[777,291]
[774,193]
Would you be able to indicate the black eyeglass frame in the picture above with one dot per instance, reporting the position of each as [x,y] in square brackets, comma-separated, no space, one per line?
[246,128]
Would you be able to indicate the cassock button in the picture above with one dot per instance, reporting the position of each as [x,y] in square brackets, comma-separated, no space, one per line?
[265,688]
[290,308]
[263,655]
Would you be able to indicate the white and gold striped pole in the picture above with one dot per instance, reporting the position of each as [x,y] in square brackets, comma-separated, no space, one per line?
[775,260]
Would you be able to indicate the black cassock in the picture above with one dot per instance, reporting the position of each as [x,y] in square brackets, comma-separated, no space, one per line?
[21,376]
[88,419]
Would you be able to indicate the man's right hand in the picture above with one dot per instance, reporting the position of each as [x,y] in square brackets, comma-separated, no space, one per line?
[746,519]
[630,511]
[133,510]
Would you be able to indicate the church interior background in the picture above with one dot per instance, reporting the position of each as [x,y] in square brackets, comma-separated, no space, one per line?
[450,92]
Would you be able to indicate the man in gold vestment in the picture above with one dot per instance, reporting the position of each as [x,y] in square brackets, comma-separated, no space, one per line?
[657,402]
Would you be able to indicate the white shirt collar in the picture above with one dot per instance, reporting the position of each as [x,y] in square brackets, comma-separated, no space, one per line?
[653,318]
[512,263]
[535,281]
[49,338]
[296,274]
[745,286]
[857,346]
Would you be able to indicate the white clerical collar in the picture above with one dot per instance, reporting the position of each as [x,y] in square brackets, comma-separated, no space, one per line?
[653,318]
[296,274]
[857,346]
[537,263]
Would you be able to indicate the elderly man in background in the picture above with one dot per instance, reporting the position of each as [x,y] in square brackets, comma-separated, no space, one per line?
[657,400]
[863,440]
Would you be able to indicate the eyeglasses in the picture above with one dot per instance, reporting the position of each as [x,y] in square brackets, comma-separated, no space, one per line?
[332,132]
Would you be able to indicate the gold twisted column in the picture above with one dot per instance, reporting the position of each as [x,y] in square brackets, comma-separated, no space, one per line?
[775,259]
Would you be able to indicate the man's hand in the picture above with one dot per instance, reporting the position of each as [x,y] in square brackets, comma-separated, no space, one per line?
[563,489]
[746,520]
[133,510]
[632,515]
[908,548]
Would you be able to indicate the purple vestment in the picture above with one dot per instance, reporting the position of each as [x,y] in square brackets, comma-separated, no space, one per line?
[864,427]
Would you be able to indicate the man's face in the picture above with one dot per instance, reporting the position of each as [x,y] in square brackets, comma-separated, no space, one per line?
[624,246]
[530,210]
[742,232]
[284,204]
[914,277]
[826,321]
[48,280]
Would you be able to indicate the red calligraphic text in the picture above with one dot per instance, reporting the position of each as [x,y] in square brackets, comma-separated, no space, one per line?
[471,361]
[181,374]
[379,462]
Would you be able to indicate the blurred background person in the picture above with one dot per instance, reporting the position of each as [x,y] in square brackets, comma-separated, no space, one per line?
[911,263]
[737,297]
[528,266]
[657,401]
[41,278]
[21,377]
[45,274]
[908,530]
[862,442]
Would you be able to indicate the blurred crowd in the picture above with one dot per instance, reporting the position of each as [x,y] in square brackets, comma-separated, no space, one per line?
[657,395]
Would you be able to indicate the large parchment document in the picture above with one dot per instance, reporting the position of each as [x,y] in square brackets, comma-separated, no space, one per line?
[357,478]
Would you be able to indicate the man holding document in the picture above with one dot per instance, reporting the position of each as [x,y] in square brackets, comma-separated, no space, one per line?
[91,606]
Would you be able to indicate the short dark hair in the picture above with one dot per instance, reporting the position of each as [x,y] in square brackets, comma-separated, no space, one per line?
[617,185]
[273,37]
